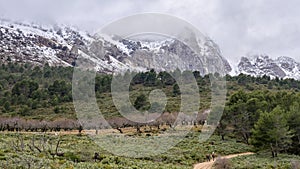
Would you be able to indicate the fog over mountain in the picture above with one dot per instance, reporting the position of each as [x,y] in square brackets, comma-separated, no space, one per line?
[238,27]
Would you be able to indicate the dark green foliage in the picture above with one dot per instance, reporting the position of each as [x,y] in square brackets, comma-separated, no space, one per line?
[141,102]
[271,131]
[6,106]
[25,87]
[176,90]
[166,78]
[56,109]
[103,83]
[150,78]
[242,112]
[26,84]
[293,121]
[24,110]
[61,91]
[262,117]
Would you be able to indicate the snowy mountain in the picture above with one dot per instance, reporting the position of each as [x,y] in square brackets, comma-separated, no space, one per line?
[60,45]
[259,65]
[27,42]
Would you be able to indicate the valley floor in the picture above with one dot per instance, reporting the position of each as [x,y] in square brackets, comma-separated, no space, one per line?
[17,150]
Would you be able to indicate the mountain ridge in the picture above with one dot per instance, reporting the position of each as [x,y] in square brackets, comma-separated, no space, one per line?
[259,65]
[61,45]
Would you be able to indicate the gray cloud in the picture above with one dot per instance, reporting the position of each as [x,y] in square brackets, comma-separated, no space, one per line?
[238,26]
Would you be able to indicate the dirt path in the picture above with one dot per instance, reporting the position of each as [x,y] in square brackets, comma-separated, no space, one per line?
[208,165]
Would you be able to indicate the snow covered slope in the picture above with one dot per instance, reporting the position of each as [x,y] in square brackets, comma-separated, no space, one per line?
[259,65]
[60,45]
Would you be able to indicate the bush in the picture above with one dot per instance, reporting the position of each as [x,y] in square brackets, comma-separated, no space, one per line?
[72,156]
[295,164]
[222,163]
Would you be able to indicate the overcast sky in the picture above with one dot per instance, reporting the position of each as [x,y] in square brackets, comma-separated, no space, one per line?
[239,27]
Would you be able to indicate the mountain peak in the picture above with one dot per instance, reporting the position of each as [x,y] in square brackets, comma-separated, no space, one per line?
[259,65]
[60,45]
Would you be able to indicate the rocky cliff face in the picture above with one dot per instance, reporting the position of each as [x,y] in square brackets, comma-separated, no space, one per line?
[259,65]
[62,45]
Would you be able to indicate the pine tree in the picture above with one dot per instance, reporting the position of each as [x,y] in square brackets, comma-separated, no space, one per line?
[176,90]
[140,102]
[272,132]
[6,106]
[293,118]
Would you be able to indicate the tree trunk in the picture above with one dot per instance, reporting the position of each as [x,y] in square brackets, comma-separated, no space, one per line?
[272,149]
[223,137]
